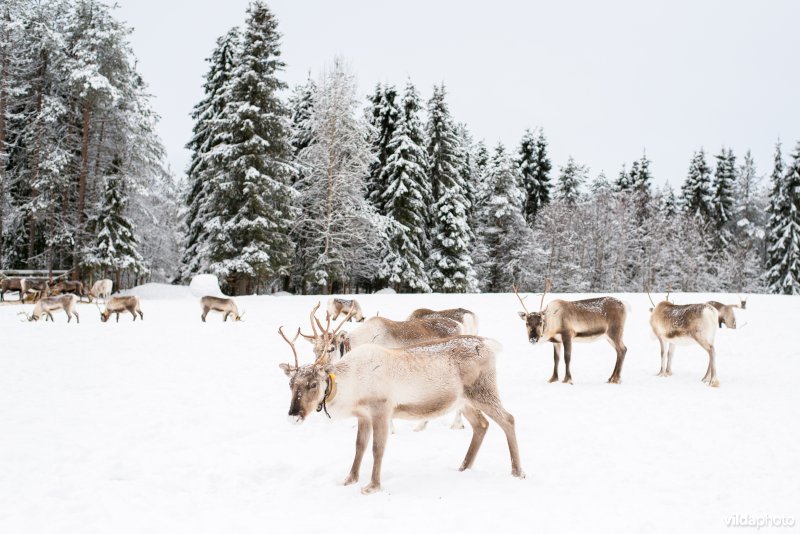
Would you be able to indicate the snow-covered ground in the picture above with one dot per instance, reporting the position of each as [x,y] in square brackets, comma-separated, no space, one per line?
[174,425]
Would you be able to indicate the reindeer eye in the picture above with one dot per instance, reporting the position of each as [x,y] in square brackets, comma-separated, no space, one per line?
[312,385]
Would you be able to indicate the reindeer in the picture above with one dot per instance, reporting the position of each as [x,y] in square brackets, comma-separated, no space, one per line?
[726,315]
[101,288]
[674,323]
[38,287]
[67,286]
[582,321]
[351,308]
[118,304]
[11,284]
[375,384]
[467,319]
[47,305]
[224,305]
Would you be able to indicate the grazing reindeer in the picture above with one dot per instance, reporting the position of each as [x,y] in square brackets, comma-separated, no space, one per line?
[726,315]
[119,304]
[584,321]
[674,323]
[467,319]
[351,308]
[38,287]
[375,384]
[101,288]
[47,305]
[66,286]
[224,305]
[11,284]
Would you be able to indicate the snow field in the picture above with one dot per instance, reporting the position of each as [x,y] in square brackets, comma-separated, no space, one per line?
[173,425]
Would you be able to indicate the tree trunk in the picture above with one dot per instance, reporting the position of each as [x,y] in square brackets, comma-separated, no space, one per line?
[3,100]
[35,178]
[81,215]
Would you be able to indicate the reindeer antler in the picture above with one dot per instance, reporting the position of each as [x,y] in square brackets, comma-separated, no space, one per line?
[647,290]
[521,300]
[548,285]
[291,344]
[669,290]
[327,336]
[313,317]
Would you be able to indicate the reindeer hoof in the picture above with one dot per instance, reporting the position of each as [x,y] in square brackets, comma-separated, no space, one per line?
[662,373]
[714,383]
[568,381]
[554,378]
[351,479]
[614,380]
[519,473]
[372,487]
[669,373]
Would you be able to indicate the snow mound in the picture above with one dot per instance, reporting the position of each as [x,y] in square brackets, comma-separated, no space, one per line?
[386,291]
[205,285]
[282,294]
[154,291]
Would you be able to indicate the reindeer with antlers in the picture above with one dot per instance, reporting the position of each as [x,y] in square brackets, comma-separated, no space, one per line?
[375,384]
[674,323]
[583,321]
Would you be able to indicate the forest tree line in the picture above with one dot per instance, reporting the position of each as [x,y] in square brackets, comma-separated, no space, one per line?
[314,190]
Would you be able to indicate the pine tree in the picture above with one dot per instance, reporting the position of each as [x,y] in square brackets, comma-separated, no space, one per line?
[383,116]
[641,178]
[696,191]
[623,182]
[301,104]
[783,275]
[116,248]
[450,261]
[535,167]
[203,166]
[406,199]
[251,207]
[570,182]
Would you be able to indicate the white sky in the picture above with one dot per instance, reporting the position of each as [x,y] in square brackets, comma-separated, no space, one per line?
[605,79]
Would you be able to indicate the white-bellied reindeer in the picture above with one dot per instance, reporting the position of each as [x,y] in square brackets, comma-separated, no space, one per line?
[726,315]
[227,306]
[386,333]
[349,307]
[468,319]
[685,323]
[101,289]
[375,384]
[47,305]
[118,304]
[564,322]
[11,284]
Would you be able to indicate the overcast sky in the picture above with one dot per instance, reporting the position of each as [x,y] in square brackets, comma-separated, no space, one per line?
[605,80]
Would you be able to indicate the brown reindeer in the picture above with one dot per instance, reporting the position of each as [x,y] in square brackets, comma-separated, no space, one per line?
[349,307]
[467,319]
[118,304]
[227,306]
[674,323]
[47,305]
[37,287]
[11,284]
[582,321]
[68,286]
[726,315]
[375,384]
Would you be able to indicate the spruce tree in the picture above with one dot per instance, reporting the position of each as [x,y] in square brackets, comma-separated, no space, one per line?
[722,189]
[450,268]
[406,199]
[534,165]
[696,191]
[203,165]
[251,208]
[783,275]
[642,179]
[570,182]
[623,181]
[383,116]
[301,104]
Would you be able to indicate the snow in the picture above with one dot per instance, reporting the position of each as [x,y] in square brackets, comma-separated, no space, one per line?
[203,285]
[174,425]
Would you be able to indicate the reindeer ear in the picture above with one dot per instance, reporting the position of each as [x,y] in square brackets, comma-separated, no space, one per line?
[287,370]
[523,315]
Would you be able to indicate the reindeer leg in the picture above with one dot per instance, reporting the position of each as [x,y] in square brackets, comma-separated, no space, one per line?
[380,433]
[663,371]
[50,316]
[567,341]
[203,317]
[457,424]
[141,315]
[77,317]
[117,316]
[556,358]
[421,426]
[225,317]
[670,352]
[479,425]
[615,338]
[710,377]
[362,438]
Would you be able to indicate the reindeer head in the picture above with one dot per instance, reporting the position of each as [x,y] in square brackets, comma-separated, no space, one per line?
[534,321]
[742,303]
[332,343]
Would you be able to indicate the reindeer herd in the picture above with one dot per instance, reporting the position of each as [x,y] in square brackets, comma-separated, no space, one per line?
[427,364]
[434,362]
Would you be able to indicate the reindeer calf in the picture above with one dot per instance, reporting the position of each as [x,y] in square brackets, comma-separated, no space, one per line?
[119,304]
[223,305]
